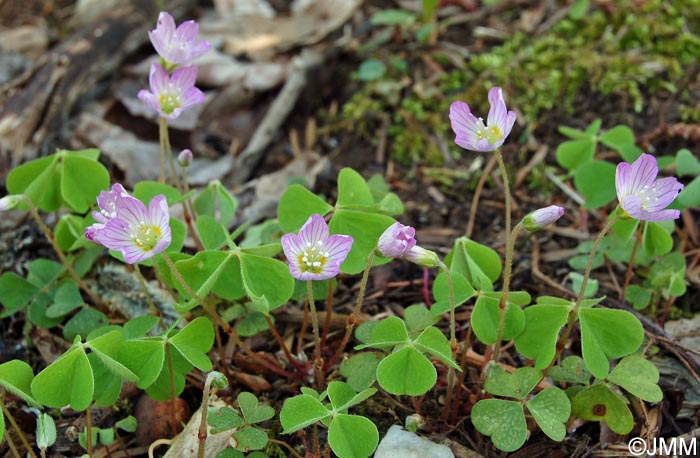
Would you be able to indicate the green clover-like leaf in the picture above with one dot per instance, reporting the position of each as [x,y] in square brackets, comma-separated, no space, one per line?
[572,370]
[517,384]
[551,409]
[251,409]
[486,316]
[352,436]
[503,421]
[194,341]
[406,371]
[599,403]
[538,340]
[301,411]
[638,376]
[607,334]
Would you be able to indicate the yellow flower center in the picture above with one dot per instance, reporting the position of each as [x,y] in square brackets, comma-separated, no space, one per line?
[146,237]
[491,134]
[168,102]
[312,259]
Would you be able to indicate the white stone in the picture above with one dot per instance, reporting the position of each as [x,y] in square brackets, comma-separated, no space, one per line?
[399,443]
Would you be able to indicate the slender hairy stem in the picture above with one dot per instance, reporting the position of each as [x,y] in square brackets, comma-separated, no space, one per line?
[573,313]
[280,341]
[630,265]
[97,300]
[181,280]
[477,193]
[451,290]
[202,435]
[167,149]
[503,303]
[318,361]
[161,172]
[88,429]
[189,212]
[462,374]
[171,380]
[20,433]
[352,319]
[453,335]
[506,189]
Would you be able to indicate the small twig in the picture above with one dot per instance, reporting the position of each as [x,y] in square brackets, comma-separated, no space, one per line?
[17,429]
[283,345]
[287,446]
[158,443]
[329,313]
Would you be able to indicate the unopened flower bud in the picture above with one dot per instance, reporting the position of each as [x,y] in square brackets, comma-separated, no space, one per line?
[539,219]
[9,202]
[184,158]
[396,240]
[422,257]
[218,380]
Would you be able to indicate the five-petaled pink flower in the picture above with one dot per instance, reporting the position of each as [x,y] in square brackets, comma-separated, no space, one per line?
[472,134]
[177,46]
[171,95]
[125,224]
[641,195]
[398,241]
[313,254]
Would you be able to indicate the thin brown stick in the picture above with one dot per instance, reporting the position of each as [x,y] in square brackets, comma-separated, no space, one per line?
[329,312]
[263,362]
[287,446]
[280,341]
[17,429]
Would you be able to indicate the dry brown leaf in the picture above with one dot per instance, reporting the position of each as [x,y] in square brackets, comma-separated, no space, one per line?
[255,34]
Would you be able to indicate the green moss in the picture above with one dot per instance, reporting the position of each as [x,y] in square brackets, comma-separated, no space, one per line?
[627,50]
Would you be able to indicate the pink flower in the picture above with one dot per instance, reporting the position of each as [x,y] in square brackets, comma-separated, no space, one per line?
[641,195]
[171,95]
[539,219]
[471,132]
[313,254]
[398,241]
[177,46]
[125,224]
